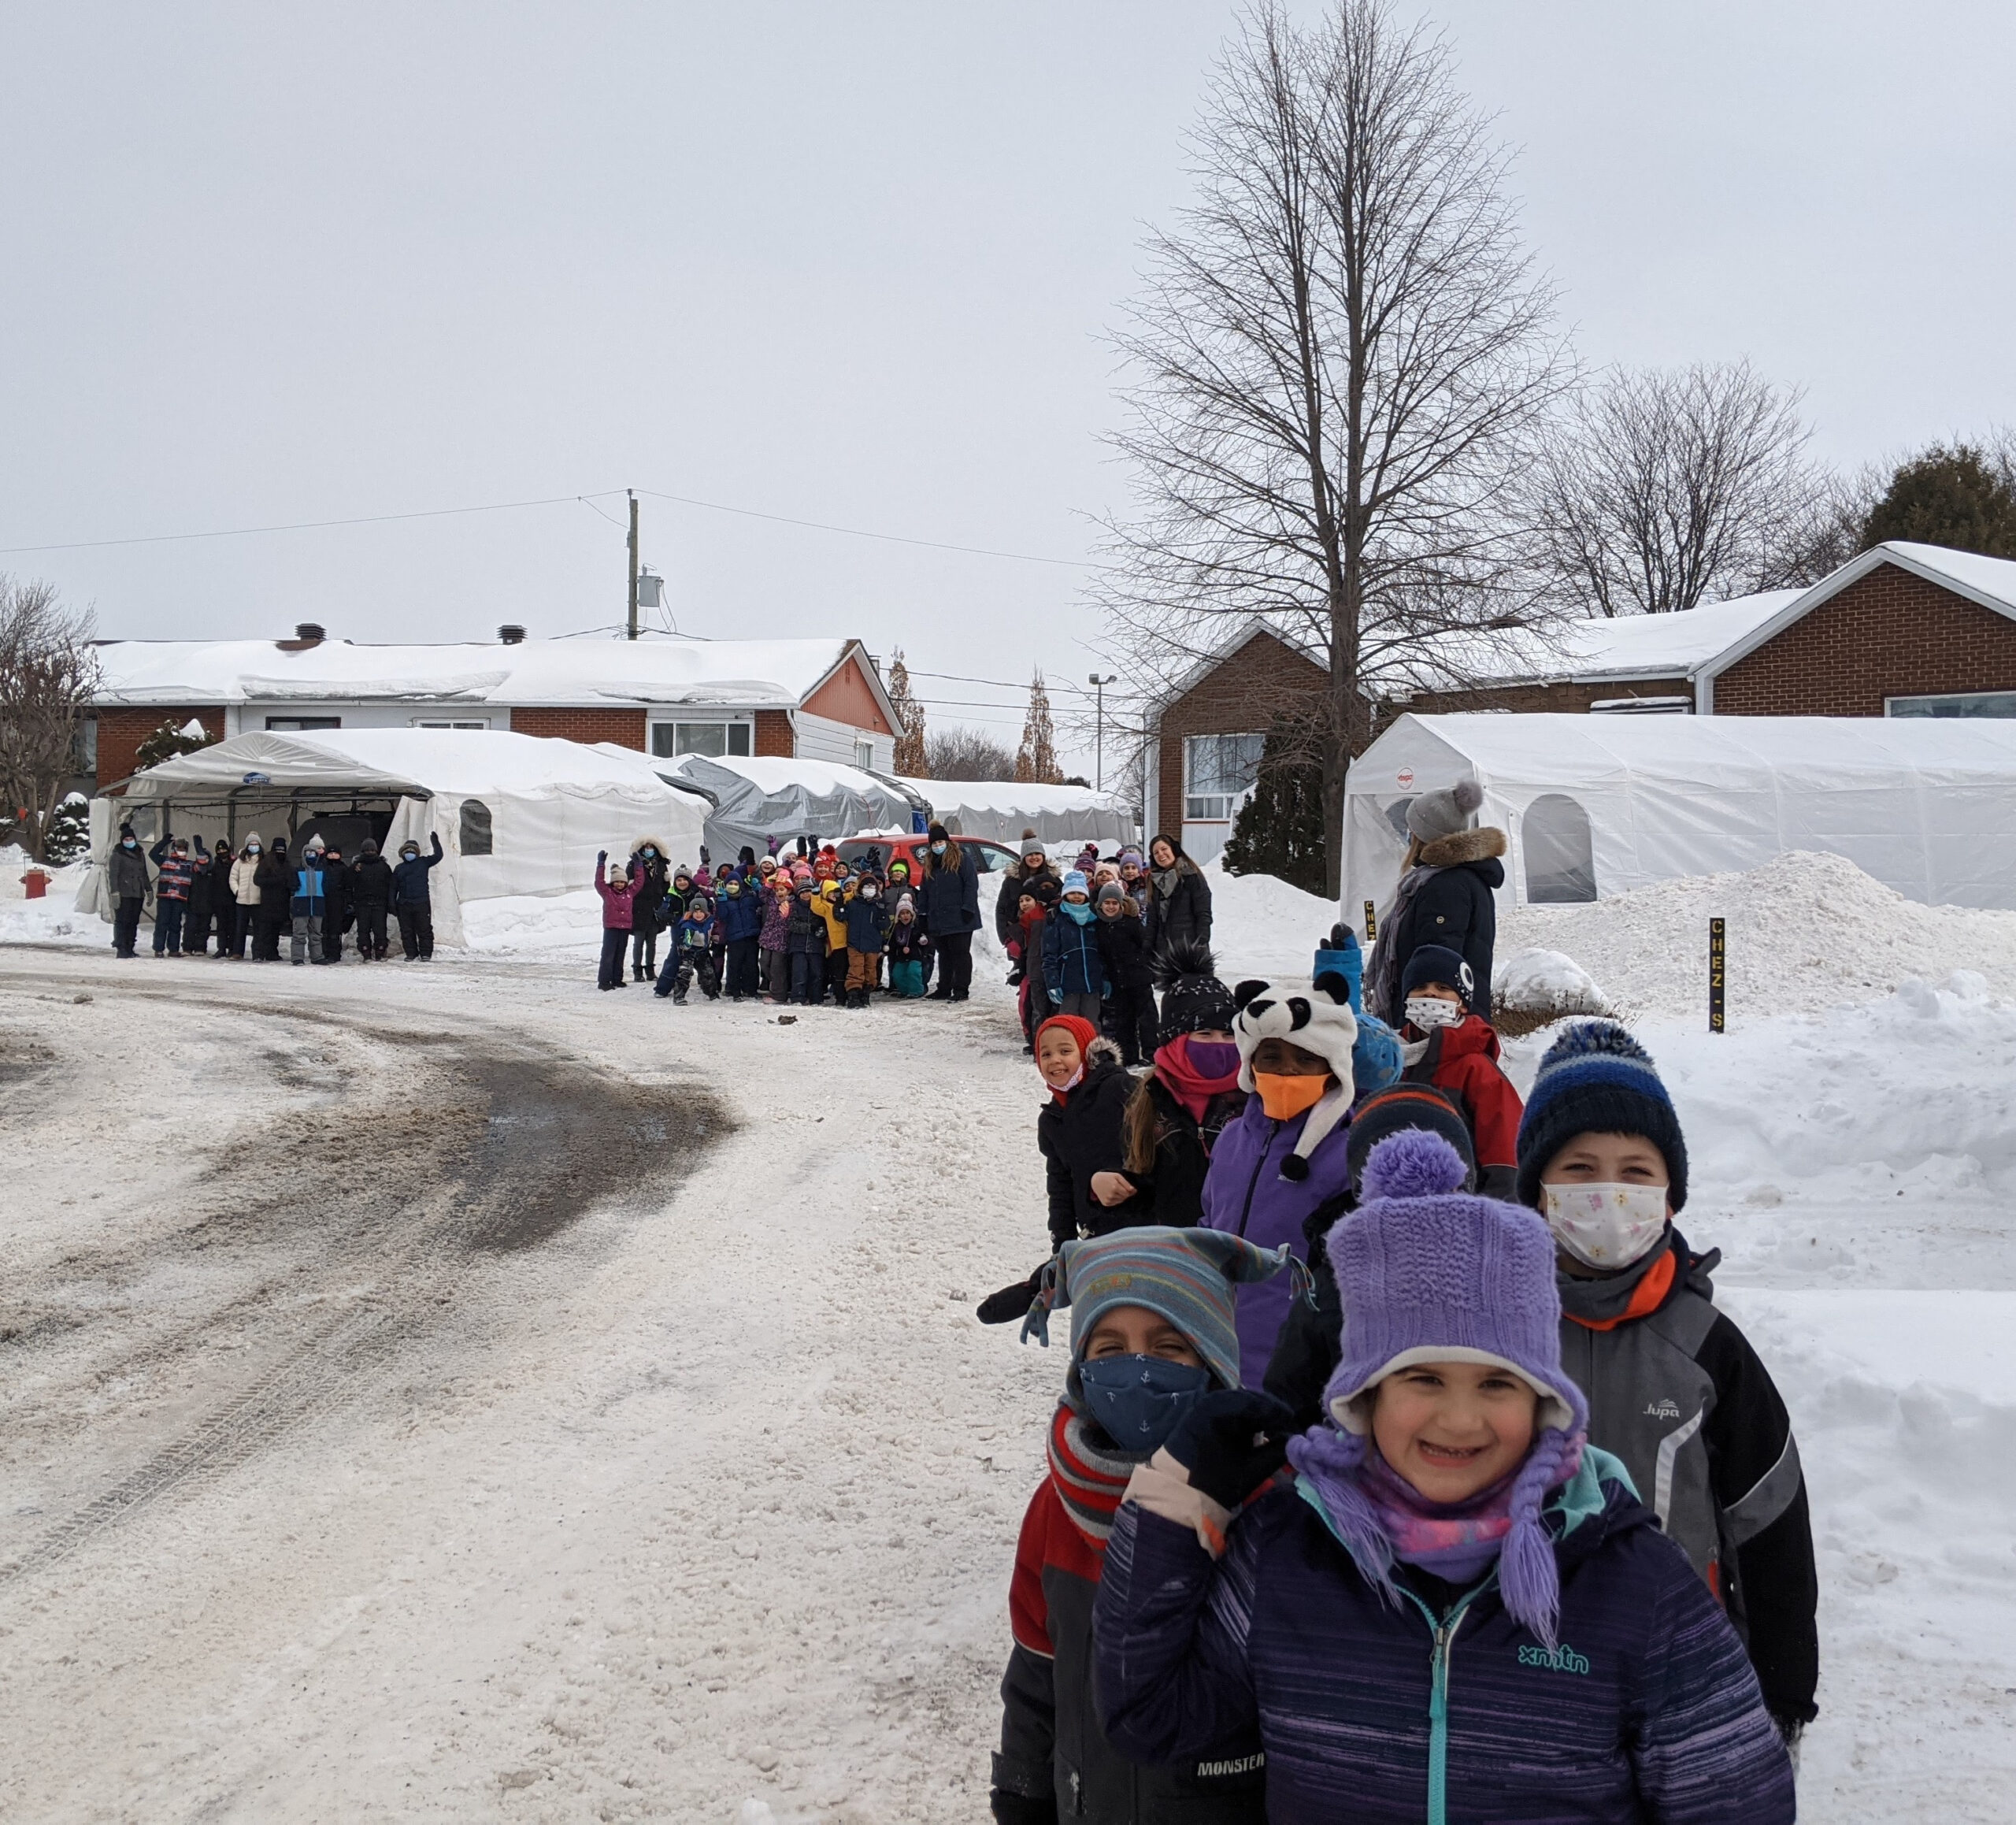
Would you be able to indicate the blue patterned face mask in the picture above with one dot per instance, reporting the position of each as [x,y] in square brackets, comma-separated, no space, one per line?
[1139,1401]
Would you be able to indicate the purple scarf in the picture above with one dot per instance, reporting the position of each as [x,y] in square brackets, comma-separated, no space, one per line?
[1454,1540]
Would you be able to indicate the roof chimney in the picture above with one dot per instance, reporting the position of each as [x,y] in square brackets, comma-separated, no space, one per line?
[510,634]
[307,634]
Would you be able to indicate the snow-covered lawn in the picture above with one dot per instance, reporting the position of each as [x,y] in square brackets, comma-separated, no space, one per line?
[701,1507]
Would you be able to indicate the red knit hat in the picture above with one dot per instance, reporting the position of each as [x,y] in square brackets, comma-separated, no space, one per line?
[1080,1029]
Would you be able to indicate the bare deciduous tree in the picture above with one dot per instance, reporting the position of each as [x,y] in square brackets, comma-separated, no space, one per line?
[954,753]
[49,671]
[1340,354]
[1664,489]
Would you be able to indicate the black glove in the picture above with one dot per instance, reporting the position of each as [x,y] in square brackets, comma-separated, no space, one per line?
[1011,1302]
[1021,1809]
[1232,1441]
[1015,976]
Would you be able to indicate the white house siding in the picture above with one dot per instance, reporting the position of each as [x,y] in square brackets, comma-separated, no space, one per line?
[821,738]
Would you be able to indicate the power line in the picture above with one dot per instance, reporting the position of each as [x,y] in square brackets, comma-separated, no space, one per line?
[1000,683]
[859,533]
[300,525]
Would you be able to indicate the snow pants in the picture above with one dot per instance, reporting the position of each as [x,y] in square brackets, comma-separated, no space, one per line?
[241,929]
[777,974]
[416,931]
[307,938]
[863,969]
[906,978]
[167,926]
[644,954]
[1085,1007]
[371,931]
[808,976]
[685,966]
[743,954]
[126,926]
[1130,1018]
[955,963]
[615,941]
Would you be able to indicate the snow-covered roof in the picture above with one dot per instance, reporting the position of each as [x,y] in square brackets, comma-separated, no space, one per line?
[408,762]
[741,674]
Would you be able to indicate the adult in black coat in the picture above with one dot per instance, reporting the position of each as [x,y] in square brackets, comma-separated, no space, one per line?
[648,862]
[1085,1134]
[371,896]
[1446,897]
[128,883]
[949,902]
[274,878]
[1179,898]
[1034,866]
[412,901]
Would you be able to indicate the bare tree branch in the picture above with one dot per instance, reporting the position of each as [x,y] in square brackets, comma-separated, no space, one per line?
[49,673]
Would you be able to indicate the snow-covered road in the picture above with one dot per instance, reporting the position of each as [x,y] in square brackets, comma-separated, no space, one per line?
[711,1493]
[394,1423]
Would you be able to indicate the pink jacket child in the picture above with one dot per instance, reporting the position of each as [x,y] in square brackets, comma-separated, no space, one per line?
[619,911]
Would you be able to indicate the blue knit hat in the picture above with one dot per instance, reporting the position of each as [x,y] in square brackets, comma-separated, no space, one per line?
[1186,1276]
[1596,1079]
[1074,882]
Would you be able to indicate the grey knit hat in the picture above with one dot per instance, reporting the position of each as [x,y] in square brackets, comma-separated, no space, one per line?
[1444,813]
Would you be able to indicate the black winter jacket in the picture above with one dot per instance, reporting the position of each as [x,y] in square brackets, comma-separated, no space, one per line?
[1455,907]
[1124,950]
[1008,902]
[948,900]
[126,876]
[371,881]
[1084,1135]
[908,942]
[275,876]
[1175,1186]
[1182,916]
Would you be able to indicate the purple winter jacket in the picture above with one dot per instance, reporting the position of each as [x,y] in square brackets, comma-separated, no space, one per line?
[619,904]
[1245,1193]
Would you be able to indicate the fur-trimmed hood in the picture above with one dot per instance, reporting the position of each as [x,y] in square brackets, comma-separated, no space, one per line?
[1103,1051]
[1478,845]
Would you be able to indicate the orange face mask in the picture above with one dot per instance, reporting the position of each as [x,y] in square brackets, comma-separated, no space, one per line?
[1285,1098]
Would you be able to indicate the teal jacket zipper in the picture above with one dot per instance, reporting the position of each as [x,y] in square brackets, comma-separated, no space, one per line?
[1444,1629]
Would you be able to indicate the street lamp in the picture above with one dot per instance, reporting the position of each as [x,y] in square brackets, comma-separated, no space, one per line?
[1099,685]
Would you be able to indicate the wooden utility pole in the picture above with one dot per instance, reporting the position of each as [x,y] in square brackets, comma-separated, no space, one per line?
[633,563]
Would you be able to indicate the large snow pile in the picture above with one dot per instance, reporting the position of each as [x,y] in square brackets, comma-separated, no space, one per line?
[1804,931]
[535,921]
[1261,926]
[54,919]
[1547,983]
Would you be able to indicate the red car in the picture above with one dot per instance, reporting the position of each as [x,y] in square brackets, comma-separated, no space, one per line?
[989,857]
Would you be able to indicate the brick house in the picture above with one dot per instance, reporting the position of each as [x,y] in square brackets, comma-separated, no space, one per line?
[814,698]
[1901,630]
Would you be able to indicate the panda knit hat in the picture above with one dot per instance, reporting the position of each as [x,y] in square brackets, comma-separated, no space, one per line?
[1313,1017]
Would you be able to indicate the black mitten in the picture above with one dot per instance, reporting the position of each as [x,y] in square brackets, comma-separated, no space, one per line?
[1232,1441]
[1011,1302]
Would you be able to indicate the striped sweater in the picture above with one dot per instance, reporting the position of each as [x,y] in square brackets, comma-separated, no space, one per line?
[1646,1710]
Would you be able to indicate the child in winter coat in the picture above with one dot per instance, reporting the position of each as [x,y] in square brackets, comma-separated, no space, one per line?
[309,904]
[827,901]
[1130,992]
[1073,976]
[371,893]
[412,903]
[908,951]
[738,918]
[865,920]
[1080,1130]
[1460,1610]
[806,942]
[1674,1388]
[774,941]
[1034,906]
[1151,1332]
[618,898]
[692,953]
[176,869]
[1442,1043]
[1179,1109]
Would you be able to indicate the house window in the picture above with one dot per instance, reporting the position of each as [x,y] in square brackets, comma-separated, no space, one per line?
[1218,770]
[711,739]
[294,725]
[1964,703]
[864,755]
[1561,863]
[476,833]
[431,722]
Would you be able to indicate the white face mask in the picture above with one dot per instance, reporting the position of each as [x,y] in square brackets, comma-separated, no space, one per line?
[1607,1227]
[1427,1012]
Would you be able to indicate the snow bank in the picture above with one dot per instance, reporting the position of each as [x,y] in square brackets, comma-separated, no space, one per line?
[53,919]
[1805,931]
[534,922]
[1545,982]
[1261,926]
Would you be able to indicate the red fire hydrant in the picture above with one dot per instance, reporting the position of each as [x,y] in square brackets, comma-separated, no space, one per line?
[36,882]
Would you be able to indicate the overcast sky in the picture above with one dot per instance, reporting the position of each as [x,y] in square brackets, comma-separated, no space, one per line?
[844,262]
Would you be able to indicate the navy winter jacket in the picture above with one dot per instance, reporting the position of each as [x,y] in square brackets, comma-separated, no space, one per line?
[1442,1709]
[409,878]
[948,897]
[1071,962]
[867,921]
[739,915]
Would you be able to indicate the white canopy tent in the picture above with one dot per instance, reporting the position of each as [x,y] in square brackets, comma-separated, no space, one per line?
[1003,809]
[756,799]
[1596,805]
[516,813]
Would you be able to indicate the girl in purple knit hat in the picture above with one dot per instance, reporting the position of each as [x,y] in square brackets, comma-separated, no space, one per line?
[1457,1610]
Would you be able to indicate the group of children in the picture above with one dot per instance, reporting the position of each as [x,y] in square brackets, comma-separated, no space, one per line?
[782,929]
[1371,1362]
[252,894]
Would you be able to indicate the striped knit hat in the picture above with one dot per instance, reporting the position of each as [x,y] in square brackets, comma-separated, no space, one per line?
[1186,1276]
[1596,1079]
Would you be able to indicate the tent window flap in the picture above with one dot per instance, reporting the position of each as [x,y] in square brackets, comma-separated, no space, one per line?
[476,832]
[1560,866]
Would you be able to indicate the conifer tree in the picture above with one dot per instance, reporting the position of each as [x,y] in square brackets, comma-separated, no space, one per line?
[1961,497]
[1035,760]
[1280,829]
[166,743]
[909,758]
